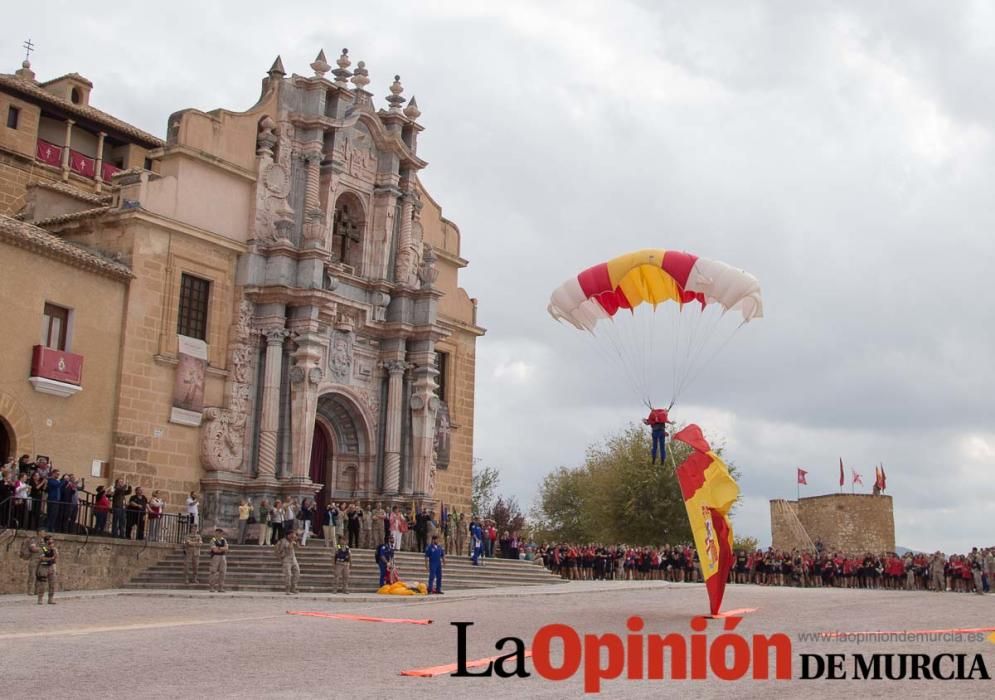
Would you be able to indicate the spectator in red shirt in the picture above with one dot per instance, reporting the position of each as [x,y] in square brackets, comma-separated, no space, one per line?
[657,420]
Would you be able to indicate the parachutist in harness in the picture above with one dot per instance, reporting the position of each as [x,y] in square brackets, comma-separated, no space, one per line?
[657,420]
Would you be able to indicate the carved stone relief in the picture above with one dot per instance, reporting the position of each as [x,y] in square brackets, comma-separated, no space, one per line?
[340,356]
[223,429]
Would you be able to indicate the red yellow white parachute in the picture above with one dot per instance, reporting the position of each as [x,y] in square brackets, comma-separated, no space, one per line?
[695,293]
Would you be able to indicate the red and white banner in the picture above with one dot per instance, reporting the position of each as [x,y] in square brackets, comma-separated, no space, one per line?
[81,164]
[49,153]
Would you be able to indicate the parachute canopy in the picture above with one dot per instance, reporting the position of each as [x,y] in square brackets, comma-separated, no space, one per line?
[653,276]
[677,319]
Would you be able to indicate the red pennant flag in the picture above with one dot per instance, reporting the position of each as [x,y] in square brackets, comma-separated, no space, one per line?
[801,476]
[841,471]
[856,478]
[883,477]
[709,492]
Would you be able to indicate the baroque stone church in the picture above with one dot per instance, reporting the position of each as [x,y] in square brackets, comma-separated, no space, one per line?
[293,323]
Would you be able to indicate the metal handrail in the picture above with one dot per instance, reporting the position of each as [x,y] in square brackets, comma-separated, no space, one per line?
[81,518]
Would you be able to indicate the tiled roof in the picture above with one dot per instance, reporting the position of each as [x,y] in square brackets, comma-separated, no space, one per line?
[74,192]
[33,238]
[71,216]
[35,91]
[76,76]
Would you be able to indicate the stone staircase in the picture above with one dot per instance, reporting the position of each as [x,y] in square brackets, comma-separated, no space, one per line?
[254,568]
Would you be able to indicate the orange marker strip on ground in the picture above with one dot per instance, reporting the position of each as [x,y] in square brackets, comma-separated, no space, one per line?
[733,613]
[360,618]
[451,668]
[956,630]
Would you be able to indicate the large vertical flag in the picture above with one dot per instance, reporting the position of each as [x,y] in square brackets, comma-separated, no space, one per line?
[884,478]
[709,492]
[841,472]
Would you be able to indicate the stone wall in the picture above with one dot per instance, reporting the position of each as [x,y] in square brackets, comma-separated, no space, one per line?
[97,564]
[849,522]
[73,431]
[453,485]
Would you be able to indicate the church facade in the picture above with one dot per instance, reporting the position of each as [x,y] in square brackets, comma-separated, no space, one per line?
[293,325]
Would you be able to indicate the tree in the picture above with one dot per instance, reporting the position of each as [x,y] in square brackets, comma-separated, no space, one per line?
[485,483]
[507,516]
[745,544]
[616,496]
[559,510]
[489,504]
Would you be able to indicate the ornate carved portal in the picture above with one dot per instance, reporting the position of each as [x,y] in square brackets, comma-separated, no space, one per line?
[342,435]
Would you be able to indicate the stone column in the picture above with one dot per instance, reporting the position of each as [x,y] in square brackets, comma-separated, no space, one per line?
[269,422]
[98,175]
[424,407]
[405,250]
[65,150]
[392,442]
[314,219]
[305,376]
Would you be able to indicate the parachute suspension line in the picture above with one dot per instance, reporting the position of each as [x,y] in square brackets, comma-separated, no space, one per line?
[605,347]
[613,335]
[689,332]
[704,337]
[676,334]
[712,356]
[701,341]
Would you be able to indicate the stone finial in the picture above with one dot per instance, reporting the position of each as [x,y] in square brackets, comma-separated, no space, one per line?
[265,138]
[394,99]
[320,65]
[361,76]
[342,73]
[411,111]
[25,72]
[276,70]
[428,273]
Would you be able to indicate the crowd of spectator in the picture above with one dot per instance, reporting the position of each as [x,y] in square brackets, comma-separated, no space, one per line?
[38,496]
[962,573]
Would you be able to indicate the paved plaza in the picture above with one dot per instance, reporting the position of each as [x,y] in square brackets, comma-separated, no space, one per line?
[113,644]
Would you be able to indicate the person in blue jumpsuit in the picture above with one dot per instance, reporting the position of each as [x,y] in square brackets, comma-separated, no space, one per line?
[477,540]
[434,556]
[384,554]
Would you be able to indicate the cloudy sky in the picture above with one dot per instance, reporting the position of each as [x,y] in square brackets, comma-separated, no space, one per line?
[842,152]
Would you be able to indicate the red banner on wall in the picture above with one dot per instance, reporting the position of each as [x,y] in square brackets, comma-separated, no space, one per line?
[107,171]
[57,365]
[81,164]
[49,153]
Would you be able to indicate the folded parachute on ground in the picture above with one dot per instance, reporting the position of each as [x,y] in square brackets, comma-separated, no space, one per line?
[653,276]
[402,588]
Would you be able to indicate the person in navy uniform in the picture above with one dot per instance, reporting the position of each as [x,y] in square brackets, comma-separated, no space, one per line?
[385,553]
[657,420]
[434,556]
[343,562]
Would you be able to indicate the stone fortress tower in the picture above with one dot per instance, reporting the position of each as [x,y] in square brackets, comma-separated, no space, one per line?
[840,521]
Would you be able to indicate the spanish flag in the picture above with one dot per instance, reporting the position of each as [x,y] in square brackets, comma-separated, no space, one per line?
[709,492]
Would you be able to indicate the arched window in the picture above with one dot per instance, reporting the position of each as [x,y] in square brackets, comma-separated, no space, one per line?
[348,231]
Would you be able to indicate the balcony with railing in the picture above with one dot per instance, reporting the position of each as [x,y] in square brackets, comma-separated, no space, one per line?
[56,372]
[73,161]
